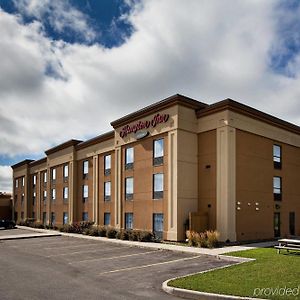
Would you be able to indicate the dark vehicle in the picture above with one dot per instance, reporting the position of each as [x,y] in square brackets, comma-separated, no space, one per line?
[7,224]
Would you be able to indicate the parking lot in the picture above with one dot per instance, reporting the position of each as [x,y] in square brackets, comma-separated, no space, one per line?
[75,268]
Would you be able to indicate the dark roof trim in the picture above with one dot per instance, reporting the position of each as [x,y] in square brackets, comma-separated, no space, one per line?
[38,162]
[98,139]
[229,104]
[21,163]
[62,146]
[175,99]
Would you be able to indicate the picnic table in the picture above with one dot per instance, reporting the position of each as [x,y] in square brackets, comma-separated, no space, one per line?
[288,244]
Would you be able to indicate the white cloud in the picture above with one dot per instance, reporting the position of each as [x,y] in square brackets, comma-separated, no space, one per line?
[5,179]
[204,49]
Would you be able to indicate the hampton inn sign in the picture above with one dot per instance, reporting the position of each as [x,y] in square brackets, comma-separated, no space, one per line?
[142,125]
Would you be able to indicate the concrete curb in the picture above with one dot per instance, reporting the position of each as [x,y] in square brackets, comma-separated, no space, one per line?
[27,236]
[190,294]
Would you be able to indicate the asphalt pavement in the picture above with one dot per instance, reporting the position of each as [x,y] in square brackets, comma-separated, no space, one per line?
[71,268]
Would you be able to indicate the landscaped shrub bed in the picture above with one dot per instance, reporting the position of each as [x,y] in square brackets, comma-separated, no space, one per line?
[207,239]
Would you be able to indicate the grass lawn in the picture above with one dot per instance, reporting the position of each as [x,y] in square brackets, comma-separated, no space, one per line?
[269,271]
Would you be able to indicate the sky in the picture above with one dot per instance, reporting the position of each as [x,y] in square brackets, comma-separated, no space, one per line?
[70,67]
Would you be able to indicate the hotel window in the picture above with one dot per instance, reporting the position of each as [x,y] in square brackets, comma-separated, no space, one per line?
[107,164]
[158,152]
[52,218]
[85,193]
[158,186]
[66,171]
[53,174]
[277,156]
[22,199]
[85,168]
[34,180]
[44,218]
[23,181]
[106,219]
[129,188]
[45,177]
[33,215]
[45,196]
[22,215]
[107,191]
[129,158]
[53,192]
[33,198]
[65,194]
[65,218]
[128,220]
[277,188]
[85,216]
[17,183]
[158,225]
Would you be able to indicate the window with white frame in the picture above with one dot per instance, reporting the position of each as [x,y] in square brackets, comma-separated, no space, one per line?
[17,183]
[158,186]
[129,188]
[53,174]
[65,193]
[34,180]
[45,196]
[23,181]
[85,193]
[45,177]
[85,168]
[53,192]
[277,156]
[107,191]
[65,218]
[277,188]
[107,164]
[66,171]
[33,198]
[129,158]
[158,152]
[106,219]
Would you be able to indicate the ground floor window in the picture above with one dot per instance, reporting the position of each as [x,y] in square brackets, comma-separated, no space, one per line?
[106,218]
[52,218]
[158,225]
[85,216]
[128,220]
[22,215]
[292,223]
[65,218]
[277,224]
[33,215]
[44,218]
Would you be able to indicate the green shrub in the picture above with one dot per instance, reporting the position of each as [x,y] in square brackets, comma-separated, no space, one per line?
[145,236]
[133,235]
[102,231]
[111,232]
[94,231]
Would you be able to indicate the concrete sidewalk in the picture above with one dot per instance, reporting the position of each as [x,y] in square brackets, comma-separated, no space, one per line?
[27,235]
[171,247]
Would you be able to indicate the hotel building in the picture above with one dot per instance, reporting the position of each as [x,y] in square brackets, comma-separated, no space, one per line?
[175,165]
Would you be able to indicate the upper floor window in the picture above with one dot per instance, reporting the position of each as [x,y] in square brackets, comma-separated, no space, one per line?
[65,193]
[158,152]
[34,179]
[23,181]
[33,198]
[129,158]
[277,188]
[45,177]
[53,174]
[158,186]
[107,164]
[85,193]
[17,183]
[45,196]
[53,194]
[129,188]
[22,198]
[277,156]
[107,191]
[66,171]
[52,218]
[85,168]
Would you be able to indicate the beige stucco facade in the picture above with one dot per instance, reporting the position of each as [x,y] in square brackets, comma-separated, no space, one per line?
[217,170]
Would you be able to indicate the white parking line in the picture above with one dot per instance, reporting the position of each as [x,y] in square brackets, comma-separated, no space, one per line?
[150,265]
[113,257]
[76,246]
[86,251]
